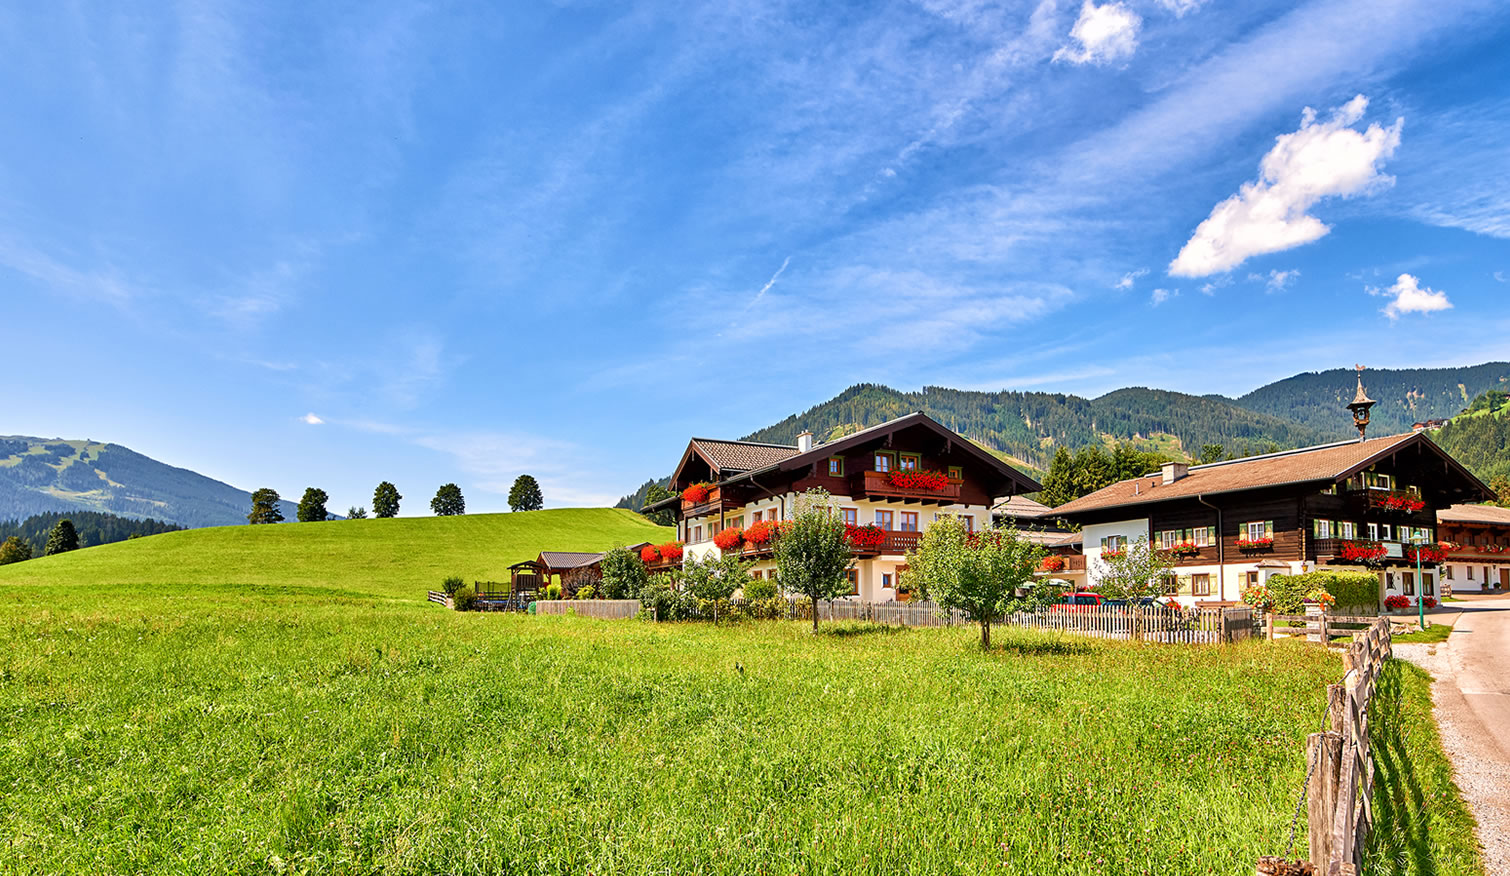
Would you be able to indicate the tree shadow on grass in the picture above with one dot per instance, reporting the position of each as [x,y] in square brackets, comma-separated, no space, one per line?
[851,629]
[1042,647]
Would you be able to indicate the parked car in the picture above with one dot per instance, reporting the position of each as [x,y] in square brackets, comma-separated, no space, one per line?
[1081,600]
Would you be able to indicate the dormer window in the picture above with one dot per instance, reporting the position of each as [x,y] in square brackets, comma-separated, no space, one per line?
[956,473]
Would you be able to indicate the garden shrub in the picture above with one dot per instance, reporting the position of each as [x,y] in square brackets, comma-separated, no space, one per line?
[553,590]
[659,601]
[774,607]
[464,598]
[586,591]
[760,589]
[1355,592]
[451,585]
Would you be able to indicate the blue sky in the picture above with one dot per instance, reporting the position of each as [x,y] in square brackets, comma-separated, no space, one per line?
[472,240]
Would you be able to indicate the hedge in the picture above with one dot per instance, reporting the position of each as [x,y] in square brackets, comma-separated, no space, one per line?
[1356,592]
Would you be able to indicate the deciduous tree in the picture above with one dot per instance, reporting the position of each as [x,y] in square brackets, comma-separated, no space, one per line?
[385,500]
[312,506]
[265,507]
[448,501]
[986,575]
[812,553]
[623,574]
[1134,575]
[525,494]
[663,517]
[14,550]
[64,538]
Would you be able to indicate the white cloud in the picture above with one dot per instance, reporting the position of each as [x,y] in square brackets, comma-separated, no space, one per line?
[1410,297]
[1129,278]
[311,419]
[1160,296]
[769,283]
[1105,34]
[1499,277]
[1321,159]
[1275,280]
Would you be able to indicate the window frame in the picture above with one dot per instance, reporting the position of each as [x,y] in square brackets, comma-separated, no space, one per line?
[891,518]
[891,460]
[916,523]
[836,462]
[956,472]
[1200,584]
[850,516]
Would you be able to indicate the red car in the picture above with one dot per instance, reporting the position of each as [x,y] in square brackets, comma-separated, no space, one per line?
[1084,598]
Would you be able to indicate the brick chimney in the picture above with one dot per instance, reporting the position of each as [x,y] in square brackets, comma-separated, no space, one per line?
[1173,471]
[804,442]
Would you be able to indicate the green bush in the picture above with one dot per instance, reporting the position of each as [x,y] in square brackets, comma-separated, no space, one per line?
[658,601]
[1354,591]
[464,599]
[760,590]
[773,607]
[451,585]
[586,591]
[553,590]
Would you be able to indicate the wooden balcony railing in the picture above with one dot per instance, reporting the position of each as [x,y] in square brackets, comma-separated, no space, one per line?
[878,485]
[1327,548]
[714,504]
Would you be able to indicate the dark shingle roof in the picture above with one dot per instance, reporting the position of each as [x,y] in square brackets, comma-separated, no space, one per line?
[1475,514]
[733,457]
[568,559]
[1324,463]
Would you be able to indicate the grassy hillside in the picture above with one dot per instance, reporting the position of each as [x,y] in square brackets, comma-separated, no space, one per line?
[399,557]
[1405,396]
[38,475]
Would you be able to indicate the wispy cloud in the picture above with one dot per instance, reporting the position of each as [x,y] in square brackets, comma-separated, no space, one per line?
[1102,34]
[769,283]
[1130,278]
[311,419]
[1159,296]
[1274,281]
[1321,159]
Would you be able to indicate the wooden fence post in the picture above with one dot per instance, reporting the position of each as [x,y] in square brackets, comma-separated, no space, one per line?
[1324,750]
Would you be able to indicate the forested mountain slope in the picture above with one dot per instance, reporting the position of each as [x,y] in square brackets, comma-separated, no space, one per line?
[1404,396]
[1480,437]
[94,528]
[38,475]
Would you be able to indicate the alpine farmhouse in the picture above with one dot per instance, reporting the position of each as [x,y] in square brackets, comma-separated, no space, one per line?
[897,477]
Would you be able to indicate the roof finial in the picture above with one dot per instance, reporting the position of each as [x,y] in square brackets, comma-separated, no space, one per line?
[1360,405]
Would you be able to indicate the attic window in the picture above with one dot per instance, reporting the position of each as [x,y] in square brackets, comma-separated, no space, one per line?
[836,466]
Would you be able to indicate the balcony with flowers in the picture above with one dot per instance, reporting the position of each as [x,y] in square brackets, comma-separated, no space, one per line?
[659,558]
[703,499]
[911,485]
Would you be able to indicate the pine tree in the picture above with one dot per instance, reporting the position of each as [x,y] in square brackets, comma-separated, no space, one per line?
[14,550]
[385,500]
[1059,483]
[525,494]
[312,506]
[265,507]
[356,512]
[64,538]
[448,501]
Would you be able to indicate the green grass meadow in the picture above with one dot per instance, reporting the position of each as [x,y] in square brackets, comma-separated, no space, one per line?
[282,700]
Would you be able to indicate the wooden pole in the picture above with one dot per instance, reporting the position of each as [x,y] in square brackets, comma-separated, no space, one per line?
[1334,695]
[1325,751]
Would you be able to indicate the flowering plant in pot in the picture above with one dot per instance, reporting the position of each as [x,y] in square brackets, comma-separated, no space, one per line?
[1052,563]
[1254,544]
[671,551]
[919,480]
[1352,552]
[697,493]
[729,539]
[1185,549]
[1396,602]
[650,554]
[1426,553]
[1322,598]
[869,537]
[1403,503]
[1113,553]
[1258,596]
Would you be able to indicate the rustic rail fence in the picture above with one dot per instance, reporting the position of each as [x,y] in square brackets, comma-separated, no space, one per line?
[606,609]
[440,598]
[1340,783]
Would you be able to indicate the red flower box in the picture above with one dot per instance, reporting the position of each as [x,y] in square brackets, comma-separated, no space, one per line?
[671,551]
[932,481]
[1253,544]
[869,537]
[1404,503]
[1427,553]
[761,533]
[1361,553]
[1052,563]
[1396,602]
[697,493]
[729,539]
[650,555]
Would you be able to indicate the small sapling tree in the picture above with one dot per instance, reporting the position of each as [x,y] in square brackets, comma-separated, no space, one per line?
[1135,575]
[986,575]
[812,554]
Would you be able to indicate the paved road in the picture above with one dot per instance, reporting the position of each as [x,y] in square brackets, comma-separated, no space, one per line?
[1472,699]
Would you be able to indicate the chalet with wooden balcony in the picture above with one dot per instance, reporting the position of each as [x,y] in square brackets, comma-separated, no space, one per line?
[1475,542]
[1366,504]
[891,481]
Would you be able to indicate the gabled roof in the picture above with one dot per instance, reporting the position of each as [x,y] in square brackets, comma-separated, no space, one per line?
[1327,462]
[559,560]
[821,452]
[1474,514]
[733,457]
[1021,508]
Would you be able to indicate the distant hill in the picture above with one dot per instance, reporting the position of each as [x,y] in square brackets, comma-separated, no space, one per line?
[342,559]
[1480,436]
[1404,396]
[38,475]
[1028,426]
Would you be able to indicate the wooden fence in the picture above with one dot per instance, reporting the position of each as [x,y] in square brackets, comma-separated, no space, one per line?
[1151,623]
[1341,785]
[606,609]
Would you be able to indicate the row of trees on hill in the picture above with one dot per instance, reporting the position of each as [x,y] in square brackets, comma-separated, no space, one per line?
[90,528]
[1480,439]
[62,539]
[525,495]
